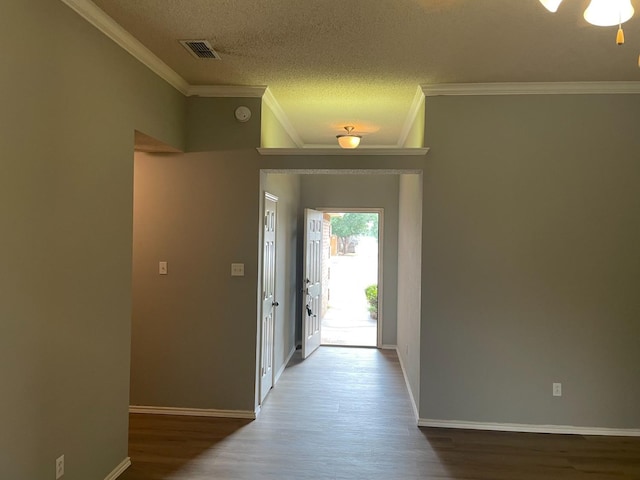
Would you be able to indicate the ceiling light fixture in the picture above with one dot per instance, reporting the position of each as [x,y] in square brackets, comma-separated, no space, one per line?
[348,140]
[602,13]
[551,5]
[607,13]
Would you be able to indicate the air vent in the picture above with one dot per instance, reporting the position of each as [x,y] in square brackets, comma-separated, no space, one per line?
[200,49]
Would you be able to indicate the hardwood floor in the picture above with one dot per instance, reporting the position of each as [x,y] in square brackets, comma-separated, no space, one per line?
[344,413]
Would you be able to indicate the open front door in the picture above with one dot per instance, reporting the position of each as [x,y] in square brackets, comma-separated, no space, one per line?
[312,281]
[268,295]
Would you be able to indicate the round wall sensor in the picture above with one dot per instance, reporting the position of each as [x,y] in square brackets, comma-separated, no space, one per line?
[243,114]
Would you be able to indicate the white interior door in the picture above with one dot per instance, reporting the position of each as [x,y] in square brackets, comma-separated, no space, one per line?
[312,281]
[268,294]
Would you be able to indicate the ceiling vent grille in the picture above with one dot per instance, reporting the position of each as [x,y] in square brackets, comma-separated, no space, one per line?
[200,49]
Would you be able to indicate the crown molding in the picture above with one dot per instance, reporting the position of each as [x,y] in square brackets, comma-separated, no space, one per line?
[270,100]
[236,91]
[532,88]
[416,103]
[331,151]
[103,22]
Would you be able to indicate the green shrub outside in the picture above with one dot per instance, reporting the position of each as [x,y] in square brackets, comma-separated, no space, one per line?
[371,293]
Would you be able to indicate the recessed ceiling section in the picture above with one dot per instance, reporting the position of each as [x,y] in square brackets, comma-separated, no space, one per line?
[319,111]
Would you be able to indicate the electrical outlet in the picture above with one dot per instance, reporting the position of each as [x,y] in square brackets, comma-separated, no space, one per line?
[59,467]
[237,269]
[557,389]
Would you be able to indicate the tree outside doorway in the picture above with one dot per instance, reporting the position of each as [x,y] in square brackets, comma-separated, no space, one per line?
[351,314]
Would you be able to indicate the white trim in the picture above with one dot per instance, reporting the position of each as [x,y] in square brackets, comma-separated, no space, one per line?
[226,91]
[388,347]
[339,151]
[532,88]
[334,146]
[119,470]
[194,412]
[107,25]
[271,102]
[380,309]
[406,381]
[284,365]
[270,196]
[519,427]
[418,99]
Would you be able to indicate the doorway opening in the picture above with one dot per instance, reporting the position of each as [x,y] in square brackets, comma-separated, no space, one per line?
[351,307]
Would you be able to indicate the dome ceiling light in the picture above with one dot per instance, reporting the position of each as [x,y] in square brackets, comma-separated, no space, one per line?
[349,140]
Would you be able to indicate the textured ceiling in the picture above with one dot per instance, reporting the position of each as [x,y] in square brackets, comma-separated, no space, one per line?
[330,63]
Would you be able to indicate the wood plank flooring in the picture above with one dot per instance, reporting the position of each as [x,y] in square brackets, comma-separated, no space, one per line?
[344,413]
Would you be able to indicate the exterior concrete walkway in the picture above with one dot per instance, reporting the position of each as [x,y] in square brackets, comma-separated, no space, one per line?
[347,321]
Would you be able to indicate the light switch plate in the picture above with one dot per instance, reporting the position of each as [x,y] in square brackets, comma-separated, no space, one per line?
[237,269]
[59,467]
[162,268]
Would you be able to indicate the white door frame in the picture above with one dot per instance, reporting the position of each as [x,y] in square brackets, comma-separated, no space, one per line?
[380,212]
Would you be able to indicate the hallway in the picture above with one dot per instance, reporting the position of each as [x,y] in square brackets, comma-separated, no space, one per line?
[344,413]
[339,414]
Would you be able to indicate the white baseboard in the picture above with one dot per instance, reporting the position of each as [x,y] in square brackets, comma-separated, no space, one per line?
[406,380]
[518,427]
[195,412]
[388,347]
[119,470]
[284,365]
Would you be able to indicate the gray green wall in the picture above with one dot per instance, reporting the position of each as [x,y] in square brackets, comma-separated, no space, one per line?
[194,330]
[409,286]
[530,259]
[211,124]
[193,210]
[531,264]
[365,191]
[71,100]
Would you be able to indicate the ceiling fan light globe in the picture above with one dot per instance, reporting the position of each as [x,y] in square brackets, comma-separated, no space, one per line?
[606,13]
[348,141]
[551,5]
